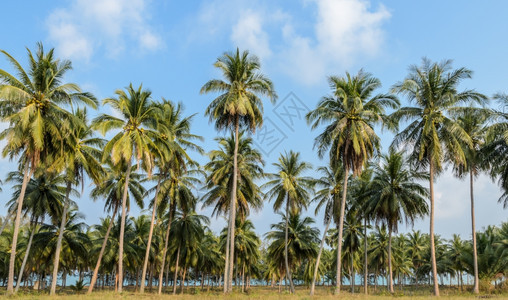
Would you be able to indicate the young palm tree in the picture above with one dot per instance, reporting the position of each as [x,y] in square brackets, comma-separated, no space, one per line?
[350,115]
[432,137]
[33,106]
[327,196]
[395,196]
[134,141]
[237,106]
[173,140]
[111,190]
[291,189]
[473,121]
[81,156]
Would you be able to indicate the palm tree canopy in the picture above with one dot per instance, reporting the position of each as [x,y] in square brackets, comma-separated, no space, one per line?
[240,89]
[350,115]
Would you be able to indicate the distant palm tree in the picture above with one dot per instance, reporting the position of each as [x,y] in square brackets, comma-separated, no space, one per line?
[331,186]
[350,115]
[396,195]
[288,187]
[416,245]
[432,137]
[111,190]
[32,105]
[237,106]
[474,122]
[134,141]
[292,241]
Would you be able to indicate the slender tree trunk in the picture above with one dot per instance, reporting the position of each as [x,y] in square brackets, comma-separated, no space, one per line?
[243,277]
[23,264]
[352,272]
[316,268]
[341,228]
[182,283]
[232,211]
[476,289]
[149,243]
[165,251]
[432,245]
[26,178]
[122,227]
[226,265]
[176,270]
[390,271]
[366,259]
[56,261]
[288,272]
[101,253]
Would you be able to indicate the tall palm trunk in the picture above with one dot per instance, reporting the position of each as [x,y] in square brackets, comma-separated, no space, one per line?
[352,270]
[288,272]
[476,289]
[226,266]
[390,275]
[26,178]
[101,253]
[56,260]
[366,259]
[316,268]
[432,246]
[122,227]
[232,210]
[176,270]
[149,243]
[341,227]
[165,251]
[23,264]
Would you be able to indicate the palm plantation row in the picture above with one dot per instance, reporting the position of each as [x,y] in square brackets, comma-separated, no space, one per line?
[147,159]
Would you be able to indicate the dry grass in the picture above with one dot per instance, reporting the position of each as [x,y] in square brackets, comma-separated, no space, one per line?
[261,293]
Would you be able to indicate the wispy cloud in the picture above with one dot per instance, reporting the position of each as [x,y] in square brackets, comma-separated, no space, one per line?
[89,26]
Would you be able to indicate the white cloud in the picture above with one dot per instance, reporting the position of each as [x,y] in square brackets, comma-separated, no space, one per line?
[341,33]
[89,26]
[248,33]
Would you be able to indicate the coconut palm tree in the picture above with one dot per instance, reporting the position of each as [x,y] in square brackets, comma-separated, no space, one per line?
[220,174]
[331,186]
[111,190]
[474,122]
[44,196]
[135,140]
[292,241]
[350,114]
[432,137]
[174,139]
[237,107]
[81,156]
[396,195]
[288,187]
[33,105]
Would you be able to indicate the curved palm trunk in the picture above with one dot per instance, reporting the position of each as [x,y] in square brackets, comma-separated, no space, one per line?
[341,228]
[101,253]
[56,261]
[165,251]
[122,228]
[176,270]
[26,178]
[316,268]
[432,246]
[25,259]
[366,260]
[149,243]
[288,272]
[476,289]
[390,275]
[232,210]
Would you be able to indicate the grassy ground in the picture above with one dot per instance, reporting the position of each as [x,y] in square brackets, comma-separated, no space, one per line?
[262,293]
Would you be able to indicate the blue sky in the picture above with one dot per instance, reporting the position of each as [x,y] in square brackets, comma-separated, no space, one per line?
[170,47]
